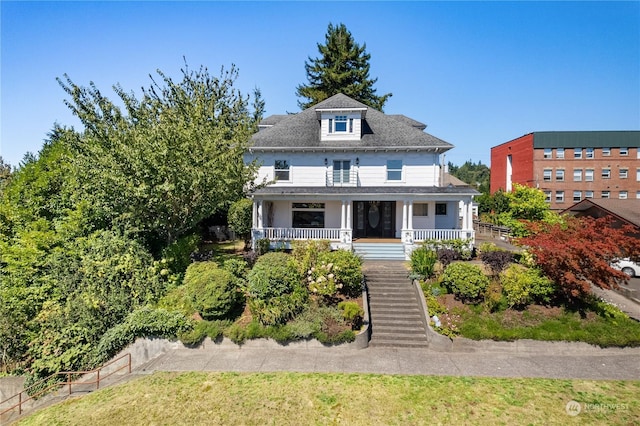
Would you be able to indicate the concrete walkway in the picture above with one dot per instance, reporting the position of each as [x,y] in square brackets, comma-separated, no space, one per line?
[558,360]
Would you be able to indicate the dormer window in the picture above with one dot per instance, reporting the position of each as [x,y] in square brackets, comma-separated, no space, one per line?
[340,124]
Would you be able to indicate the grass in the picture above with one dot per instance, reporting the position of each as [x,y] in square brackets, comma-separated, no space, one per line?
[561,324]
[354,399]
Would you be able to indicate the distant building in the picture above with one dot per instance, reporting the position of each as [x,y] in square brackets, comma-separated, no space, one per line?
[570,166]
[622,212]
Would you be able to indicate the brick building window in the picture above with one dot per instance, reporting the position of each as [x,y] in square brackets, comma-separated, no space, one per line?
[559,196]
[546,174]
[547,152]
[606,152]
[588,175]
[588,153]
[577,175]
[559,152]
[624,151]
[623,173]
[577,195]
[588,194]
[577,152]
[605,194]
[560,175]
[623,195]
[606,173]
[547,196]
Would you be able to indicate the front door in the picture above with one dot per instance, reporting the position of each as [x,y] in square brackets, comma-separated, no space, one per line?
[374,219]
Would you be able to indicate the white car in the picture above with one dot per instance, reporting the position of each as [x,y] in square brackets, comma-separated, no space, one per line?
[628,267]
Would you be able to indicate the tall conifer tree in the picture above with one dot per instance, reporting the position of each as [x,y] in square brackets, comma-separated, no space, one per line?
[342,68]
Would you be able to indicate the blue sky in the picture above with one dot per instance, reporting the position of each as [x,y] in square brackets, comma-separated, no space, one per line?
[477,73]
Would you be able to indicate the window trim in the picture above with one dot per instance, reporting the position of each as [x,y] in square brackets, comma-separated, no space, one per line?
[277,170]
[589,153]
[588,175]
[559,196]
[577,153]
[560,153]
[623,173]
[441,209]
[547,153]
[342,171]
[606,173]
[606,152]
[394,170]
[311,207]
[577,175]
[559,175]
[624,152]
[547,175]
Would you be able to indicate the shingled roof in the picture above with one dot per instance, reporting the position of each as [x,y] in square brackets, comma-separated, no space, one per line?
[301,131]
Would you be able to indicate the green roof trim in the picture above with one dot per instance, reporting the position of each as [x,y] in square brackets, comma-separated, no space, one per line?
[587,139]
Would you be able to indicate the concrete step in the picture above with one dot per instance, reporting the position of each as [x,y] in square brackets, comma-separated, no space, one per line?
[384,343]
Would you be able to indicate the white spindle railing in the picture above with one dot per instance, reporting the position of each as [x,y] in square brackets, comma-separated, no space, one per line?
[441,234]
[287,234]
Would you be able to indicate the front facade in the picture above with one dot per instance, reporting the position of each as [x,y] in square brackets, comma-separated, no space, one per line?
[570,166]
[345,172]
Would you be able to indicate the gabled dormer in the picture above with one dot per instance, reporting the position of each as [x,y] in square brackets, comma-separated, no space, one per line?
[341,123]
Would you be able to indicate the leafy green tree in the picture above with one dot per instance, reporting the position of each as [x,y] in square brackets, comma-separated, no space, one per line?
[167,160]
[342,68]
[475,174]
[240,219]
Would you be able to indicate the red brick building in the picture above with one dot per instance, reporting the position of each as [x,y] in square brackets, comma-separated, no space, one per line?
[570,166]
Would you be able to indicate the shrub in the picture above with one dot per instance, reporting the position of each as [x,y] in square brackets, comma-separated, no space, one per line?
[523,286]
[263,245]
[144,322]
[496,260]
[447,256]
[178,254]
[275,289]
[347,270]
[202,329]
[461,247]
[353,313]
[305,252]
[213,292]
[493,297]
[423,261]
[465,280]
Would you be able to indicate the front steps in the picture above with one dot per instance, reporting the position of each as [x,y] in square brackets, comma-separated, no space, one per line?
[379,251]
[395,312]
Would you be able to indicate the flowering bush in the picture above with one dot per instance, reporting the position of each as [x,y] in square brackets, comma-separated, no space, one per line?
[322,281]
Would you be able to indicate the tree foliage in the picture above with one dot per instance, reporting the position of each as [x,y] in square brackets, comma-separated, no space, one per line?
[168,160]
[343,67]
[516,208]
[579,251]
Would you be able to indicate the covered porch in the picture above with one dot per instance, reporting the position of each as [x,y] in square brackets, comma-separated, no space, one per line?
[345,218]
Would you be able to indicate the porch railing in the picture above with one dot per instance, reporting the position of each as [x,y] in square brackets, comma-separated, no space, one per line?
[287,234]
[441,234]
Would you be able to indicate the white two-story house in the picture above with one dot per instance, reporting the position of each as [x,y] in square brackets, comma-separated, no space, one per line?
[345,172]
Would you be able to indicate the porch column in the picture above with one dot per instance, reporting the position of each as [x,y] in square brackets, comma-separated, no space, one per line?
[404,215]
[259,214]
[349,221]
[254,217]
[410,216]
[343,215]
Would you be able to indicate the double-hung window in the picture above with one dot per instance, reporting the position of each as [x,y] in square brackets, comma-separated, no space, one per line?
[559,152]
[623,195]
[606,152]
[606,173]
[588,153]
[624,151]
[559,196]
[577,152]
[546,175]
[623,173]
[341,171]
[577,195]
[605,194]
[588,175]
[577,175]
[394,169]
[560,175]
[588,194]
[548,152]
[281,169]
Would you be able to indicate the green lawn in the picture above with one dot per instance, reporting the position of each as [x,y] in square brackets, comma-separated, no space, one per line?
[350,399]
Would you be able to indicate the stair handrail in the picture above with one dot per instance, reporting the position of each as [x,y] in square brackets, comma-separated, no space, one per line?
[68,382]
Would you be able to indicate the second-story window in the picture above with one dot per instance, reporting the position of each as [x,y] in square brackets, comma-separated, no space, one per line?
[341,171]
[588,175]
[624,151]
[394,169]
[606,173]
[623,173]
[606,152]
[281,169]
[548,152]
[559,152]
[577,175]
[560,175]
[577,152]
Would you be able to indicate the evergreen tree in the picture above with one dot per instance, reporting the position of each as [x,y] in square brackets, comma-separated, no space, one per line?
[342,68]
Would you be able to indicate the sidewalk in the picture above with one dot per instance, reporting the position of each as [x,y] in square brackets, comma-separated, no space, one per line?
[559,360]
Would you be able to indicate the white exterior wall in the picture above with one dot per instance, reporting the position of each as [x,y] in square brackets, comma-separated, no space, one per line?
[332,214]
[308,169]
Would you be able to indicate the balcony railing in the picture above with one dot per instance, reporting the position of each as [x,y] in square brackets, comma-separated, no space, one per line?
[342,179]
[288,234]
[441,234]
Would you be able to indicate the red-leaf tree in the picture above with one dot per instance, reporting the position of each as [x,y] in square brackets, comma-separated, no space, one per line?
[579,252]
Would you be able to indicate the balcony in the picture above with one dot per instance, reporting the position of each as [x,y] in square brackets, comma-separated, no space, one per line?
[342,177]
